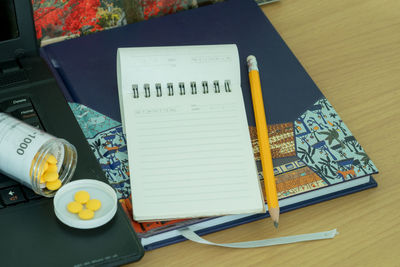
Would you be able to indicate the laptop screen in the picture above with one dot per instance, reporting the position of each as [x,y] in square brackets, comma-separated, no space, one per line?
[17,30]
[8,21]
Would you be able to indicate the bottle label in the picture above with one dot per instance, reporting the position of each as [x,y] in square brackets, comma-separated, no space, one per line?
[19,143]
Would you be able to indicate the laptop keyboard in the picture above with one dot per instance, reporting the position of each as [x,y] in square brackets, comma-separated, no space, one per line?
[11,192]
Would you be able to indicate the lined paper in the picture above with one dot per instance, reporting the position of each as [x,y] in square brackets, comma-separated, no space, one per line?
[189,153]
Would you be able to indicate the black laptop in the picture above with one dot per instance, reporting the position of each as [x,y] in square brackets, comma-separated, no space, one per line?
[30,233]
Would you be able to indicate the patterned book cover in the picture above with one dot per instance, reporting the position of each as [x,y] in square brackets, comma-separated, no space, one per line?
[314,151]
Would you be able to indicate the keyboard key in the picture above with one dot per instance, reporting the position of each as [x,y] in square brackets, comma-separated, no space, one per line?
[12,104]
[6,182]
[12,195]
[29,194]
[35,122]
[37,125]
[24,113]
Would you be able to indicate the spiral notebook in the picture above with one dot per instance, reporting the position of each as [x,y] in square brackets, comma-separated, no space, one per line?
[189,147]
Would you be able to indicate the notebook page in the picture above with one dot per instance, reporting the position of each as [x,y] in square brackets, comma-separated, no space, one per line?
[189,153]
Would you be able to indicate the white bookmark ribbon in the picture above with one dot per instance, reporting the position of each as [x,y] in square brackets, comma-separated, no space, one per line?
[191,235]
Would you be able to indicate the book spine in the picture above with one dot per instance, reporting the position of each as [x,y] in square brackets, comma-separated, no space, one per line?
[55,69]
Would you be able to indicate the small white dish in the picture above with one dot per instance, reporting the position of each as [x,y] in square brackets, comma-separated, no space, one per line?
[97,190]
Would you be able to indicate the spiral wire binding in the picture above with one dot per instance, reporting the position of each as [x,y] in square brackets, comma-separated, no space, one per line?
[170,87]
[182,90]
[216,87]
[146,90]
[135,90]
[205,87]
[158,90]
[193,86]
[228,86]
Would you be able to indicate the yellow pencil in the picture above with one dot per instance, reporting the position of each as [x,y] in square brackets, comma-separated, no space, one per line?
[263,141]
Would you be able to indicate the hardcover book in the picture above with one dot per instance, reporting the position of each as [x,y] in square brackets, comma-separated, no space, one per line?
[315,155]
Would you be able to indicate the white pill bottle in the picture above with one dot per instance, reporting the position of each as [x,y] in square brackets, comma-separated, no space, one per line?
[25,150]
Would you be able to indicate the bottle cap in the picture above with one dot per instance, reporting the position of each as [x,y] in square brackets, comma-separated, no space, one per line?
[97,190]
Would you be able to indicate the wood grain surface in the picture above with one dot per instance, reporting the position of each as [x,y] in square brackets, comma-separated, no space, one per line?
[351,49]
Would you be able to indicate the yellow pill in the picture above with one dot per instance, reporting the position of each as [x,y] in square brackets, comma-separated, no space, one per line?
[54,185]
[52,168]
[50,176]
[44,166]
[52,160]
[42,180]
[41,172]
[74,207]
[82,196]
[86,214]
[93,204]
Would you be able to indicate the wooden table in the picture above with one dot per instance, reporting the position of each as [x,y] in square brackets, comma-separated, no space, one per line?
[351,49]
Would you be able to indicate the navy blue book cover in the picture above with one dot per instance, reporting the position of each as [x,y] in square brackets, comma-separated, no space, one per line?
[312,148]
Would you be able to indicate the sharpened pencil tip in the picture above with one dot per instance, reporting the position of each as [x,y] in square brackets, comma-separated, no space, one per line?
[276,224]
